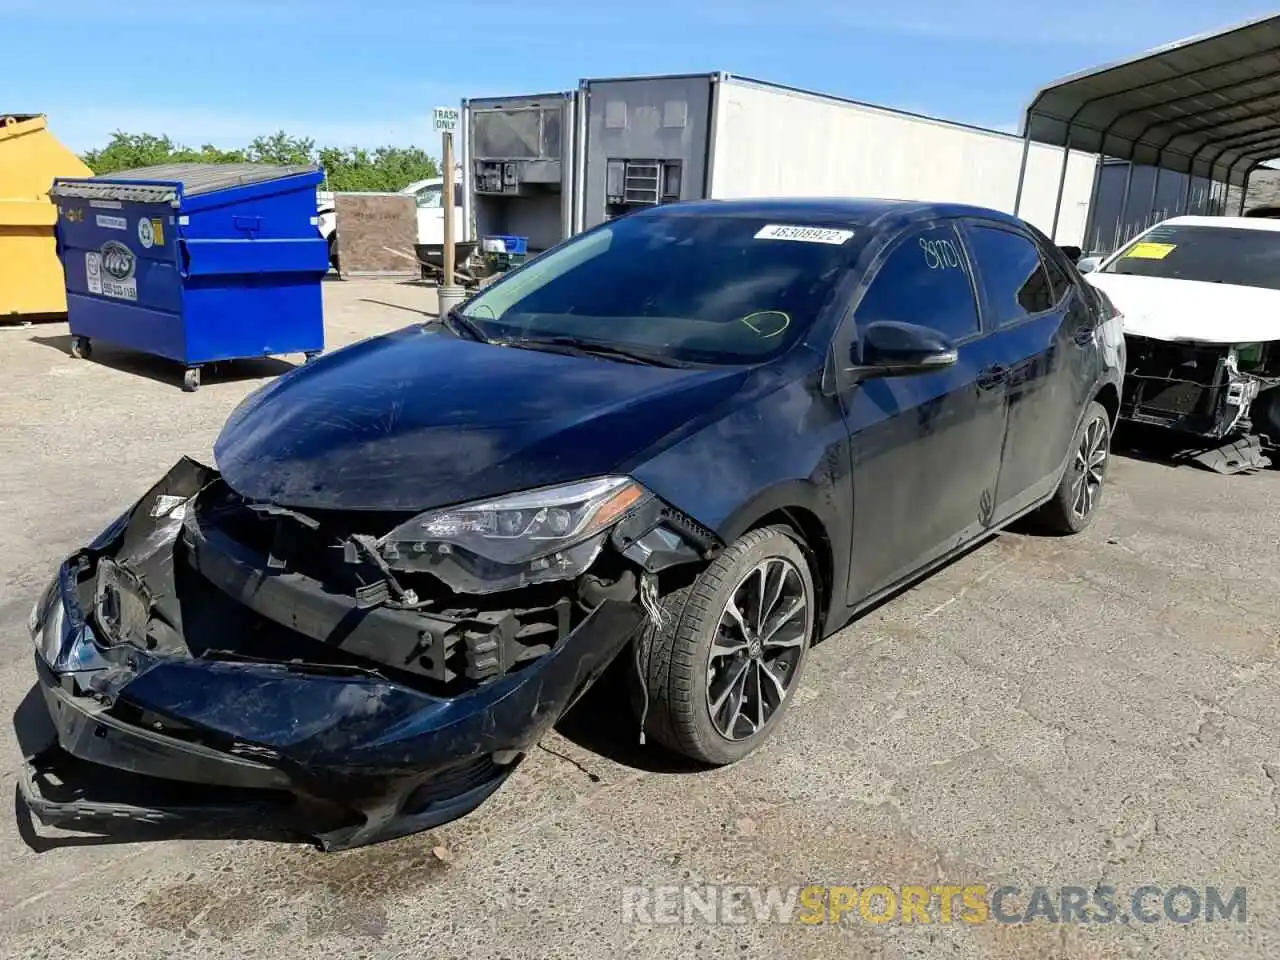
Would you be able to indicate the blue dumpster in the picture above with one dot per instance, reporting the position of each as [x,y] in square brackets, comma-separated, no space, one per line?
[196,262]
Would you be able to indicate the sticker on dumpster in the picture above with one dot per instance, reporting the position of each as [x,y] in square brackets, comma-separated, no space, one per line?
[157,231]
[105,204]
[116,273]
[93,271]
[112,223]
[146,233]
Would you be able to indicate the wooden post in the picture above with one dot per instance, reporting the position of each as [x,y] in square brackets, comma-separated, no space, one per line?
[448,199]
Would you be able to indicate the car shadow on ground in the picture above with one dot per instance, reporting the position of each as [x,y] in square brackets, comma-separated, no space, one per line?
[604,723]
[167,371]
[399,306]
[1150,445]
[1171,449]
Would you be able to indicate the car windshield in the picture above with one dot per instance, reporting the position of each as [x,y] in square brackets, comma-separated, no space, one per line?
[689,287]
[1232,255]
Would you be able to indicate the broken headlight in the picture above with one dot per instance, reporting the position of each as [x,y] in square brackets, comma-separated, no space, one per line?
[550,534]
[44,623]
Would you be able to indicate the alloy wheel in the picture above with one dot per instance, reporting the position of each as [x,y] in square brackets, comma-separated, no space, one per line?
[760,638]
[1090,467]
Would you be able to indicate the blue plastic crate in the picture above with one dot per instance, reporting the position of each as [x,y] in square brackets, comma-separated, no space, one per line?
[512,245]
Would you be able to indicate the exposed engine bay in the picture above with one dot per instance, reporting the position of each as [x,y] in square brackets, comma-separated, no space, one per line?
[324,668]
[1218,392]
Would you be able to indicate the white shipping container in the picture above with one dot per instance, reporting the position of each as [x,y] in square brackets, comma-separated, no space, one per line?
[770,141]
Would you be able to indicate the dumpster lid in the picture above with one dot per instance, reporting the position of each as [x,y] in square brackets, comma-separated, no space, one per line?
[196,178]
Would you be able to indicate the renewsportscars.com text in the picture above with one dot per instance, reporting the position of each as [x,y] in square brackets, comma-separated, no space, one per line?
[909,904]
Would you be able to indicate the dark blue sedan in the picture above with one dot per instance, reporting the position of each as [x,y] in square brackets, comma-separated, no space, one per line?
[701,438]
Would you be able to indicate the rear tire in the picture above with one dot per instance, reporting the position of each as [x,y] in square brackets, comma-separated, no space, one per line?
[1075,502]
[718,705]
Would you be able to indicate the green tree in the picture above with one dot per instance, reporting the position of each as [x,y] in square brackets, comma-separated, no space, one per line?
[386,168]
[346,168]
[282,149]
[128,151]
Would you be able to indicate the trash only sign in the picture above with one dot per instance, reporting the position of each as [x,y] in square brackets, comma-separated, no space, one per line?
[445,119]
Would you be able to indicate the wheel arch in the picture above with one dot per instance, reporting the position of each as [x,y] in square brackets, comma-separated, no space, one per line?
[1109,396]
[799,505]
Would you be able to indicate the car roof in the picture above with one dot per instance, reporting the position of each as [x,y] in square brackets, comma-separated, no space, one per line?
[1240,223]
[865,211]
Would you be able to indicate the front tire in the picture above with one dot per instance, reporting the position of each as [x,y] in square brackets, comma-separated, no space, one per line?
[721,672]
[1076,500]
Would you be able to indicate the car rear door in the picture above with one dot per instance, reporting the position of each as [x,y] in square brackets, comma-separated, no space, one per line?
[1044,340]
[925,448]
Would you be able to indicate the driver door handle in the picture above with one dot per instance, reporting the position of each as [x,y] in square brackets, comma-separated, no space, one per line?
[992,376]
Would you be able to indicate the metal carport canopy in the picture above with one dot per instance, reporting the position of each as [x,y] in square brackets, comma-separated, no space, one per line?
[1208,106]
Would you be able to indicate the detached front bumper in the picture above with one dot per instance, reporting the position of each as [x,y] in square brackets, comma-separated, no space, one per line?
[341,753]
[375,758]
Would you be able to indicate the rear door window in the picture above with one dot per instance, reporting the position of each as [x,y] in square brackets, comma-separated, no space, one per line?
[1012,276]
[924,280]
[1059,280]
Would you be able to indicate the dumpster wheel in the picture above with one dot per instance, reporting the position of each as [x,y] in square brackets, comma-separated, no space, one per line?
[81,348]
[191,379]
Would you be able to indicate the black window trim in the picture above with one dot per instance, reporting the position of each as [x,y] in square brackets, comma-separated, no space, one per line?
[888,249]
[985,308]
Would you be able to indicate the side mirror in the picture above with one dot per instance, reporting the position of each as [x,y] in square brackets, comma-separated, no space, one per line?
[1089,264]
[892,349]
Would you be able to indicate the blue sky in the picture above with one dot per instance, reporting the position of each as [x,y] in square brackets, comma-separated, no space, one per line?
[369,72]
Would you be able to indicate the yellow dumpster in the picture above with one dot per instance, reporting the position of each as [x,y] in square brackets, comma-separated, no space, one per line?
[30,157]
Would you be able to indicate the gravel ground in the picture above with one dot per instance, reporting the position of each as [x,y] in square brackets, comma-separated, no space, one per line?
[1059,712]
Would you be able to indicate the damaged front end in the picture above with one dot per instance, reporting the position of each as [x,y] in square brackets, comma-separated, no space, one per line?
[1228,393]
[355,675]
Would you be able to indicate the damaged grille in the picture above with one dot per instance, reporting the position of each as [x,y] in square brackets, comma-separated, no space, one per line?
[1204,389]
[296,571]
[1174,378]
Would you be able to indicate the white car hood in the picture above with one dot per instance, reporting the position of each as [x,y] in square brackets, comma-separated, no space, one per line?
[1165,309]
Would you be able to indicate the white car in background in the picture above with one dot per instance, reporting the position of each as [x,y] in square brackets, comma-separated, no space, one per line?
[429,196]
[1201,303]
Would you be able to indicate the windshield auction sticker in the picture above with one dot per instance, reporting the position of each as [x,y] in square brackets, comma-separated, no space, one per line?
[784,231]
[1150,251]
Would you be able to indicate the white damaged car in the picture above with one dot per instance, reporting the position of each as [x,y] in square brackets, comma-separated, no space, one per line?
[1200,298]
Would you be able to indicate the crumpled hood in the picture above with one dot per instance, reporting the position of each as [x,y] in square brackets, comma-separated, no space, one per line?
[1166,309]
[419,418]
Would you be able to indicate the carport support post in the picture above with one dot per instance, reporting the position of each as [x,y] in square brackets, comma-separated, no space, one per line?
[1087,244]
[1022,170]
[1155,194]
[1185,199]
[447,162]
[1124,205]
[1244,190]
[1062,183]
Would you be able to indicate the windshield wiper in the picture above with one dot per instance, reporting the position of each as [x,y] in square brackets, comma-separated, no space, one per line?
[460,324]
[592,348]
